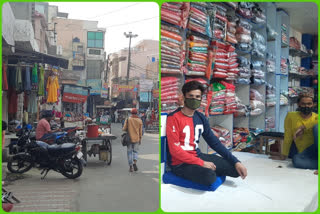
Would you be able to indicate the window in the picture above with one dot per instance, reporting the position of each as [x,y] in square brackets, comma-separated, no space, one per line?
[95,39]
[94,52]
[94,68]
[80,49]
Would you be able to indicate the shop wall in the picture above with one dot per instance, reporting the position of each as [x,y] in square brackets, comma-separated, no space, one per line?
[8,21]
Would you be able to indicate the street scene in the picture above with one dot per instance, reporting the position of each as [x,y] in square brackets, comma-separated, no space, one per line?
[101,187]
[80,107]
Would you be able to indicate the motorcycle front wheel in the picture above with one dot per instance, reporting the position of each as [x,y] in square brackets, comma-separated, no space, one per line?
[19,164]
[72,168]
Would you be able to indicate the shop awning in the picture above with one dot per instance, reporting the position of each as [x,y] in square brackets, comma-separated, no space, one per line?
[36,57]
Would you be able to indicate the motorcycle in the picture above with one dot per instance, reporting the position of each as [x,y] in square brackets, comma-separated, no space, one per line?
[65,158]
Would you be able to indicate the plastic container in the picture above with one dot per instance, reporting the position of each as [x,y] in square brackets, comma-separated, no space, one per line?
[93,131]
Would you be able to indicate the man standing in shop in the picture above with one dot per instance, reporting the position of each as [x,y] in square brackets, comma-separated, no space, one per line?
[133,125]
[184,128]
[301,135]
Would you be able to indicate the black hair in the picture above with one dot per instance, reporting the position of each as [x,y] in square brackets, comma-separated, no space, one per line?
[304,95]
[192,85]
[47,114]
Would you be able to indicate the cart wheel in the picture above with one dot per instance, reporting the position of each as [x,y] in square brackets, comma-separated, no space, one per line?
[84,149]
[109,150]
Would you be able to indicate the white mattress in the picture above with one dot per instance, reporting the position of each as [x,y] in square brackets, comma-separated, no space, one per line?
[267,188]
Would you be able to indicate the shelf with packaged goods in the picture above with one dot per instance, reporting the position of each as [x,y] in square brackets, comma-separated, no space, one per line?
[298,53]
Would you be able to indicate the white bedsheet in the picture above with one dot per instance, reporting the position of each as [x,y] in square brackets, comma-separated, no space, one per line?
[268,188]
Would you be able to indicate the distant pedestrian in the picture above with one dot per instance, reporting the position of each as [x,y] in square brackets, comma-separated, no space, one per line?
[133,125]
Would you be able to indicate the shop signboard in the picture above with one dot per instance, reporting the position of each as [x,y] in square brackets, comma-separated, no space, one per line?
[95,85]
[74,94]
[145,96]
[104,90]
[155,93]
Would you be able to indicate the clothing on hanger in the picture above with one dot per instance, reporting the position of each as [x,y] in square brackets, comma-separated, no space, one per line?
[41,82]
[4,78]
[52,88]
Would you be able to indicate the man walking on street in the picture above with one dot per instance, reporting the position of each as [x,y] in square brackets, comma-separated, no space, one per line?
[133,125]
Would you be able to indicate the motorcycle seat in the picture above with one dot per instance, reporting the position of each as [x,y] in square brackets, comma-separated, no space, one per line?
[60,133]
[65,146]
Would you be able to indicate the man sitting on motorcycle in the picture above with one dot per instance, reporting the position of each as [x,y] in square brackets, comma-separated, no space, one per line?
[43,127]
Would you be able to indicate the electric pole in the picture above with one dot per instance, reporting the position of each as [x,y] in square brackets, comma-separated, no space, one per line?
[129,35]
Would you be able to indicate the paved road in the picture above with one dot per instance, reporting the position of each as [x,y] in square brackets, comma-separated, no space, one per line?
[101,188]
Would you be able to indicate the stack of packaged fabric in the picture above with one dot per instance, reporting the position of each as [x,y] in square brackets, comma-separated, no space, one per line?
[245,9]
[241,110]
[284,36]
[172,54]
[243,35]
[230,101]
[233,5]
[218,20]
[197,57]
[241,136]
[256,102]
[223,135]
[271,63]
[175,13]
[284,99]
[198,19]
[284,66]
[271,96]
[218,99]
[258,45]
[270,124]
[259,16]
[293,93]
[231,30]
[225,61]
[169,94]
[244,71]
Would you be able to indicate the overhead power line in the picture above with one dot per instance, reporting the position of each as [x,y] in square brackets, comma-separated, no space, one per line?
[128,23]
[114,11]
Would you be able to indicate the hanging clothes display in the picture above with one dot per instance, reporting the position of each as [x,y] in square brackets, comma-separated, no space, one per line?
[12,77]
[4,78]
[13,101]
[20,107]
[19,86]
[52,88]
[41,82]
[34,79]
[32,104]
[27,80]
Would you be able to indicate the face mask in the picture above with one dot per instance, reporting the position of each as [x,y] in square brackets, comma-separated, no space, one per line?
[305,110]
[192,103]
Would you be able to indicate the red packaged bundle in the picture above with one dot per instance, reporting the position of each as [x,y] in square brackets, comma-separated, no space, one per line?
[218,34]
[222,60]
[219,75]
[219,44]
[232,61]
[220,70]
[222,18]
[231,38]
[234,65]
[221,65]
[234,70]
[221,55]
[171,35]
[198,13]
[230,48]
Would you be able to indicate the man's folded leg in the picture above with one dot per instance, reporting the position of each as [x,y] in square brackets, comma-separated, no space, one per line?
[224,168]
[195,173]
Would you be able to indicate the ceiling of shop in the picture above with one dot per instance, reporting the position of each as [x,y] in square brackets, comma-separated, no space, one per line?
[303,16]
